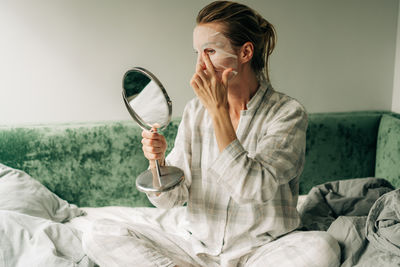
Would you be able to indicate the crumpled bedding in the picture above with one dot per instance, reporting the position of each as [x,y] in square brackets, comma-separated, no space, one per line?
[350,234]
[362,214]
[36,242]
[353,197]
[382,230]
[31,229]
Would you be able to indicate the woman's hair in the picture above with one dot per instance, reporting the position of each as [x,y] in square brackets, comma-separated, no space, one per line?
[243,24]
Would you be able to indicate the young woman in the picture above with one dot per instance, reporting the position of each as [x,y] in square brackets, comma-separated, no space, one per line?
[241,146]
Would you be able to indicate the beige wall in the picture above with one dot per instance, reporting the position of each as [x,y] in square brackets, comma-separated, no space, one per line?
[63,60]
[396,81]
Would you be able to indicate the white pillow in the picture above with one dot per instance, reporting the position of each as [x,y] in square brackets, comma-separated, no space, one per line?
[21,193]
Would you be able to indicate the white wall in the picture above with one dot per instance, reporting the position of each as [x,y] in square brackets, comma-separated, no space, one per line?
[396,81]
[63,60]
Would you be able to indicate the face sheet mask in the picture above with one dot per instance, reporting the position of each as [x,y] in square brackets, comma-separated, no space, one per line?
[218,47]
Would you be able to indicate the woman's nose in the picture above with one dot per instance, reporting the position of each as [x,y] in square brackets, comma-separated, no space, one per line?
[200,62]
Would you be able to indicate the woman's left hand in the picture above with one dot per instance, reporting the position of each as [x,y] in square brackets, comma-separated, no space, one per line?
[211,89]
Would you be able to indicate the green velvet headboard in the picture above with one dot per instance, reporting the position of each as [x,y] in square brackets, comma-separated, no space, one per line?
[85,164]
[339,146]
[96,164]
[343,145]
[388,150]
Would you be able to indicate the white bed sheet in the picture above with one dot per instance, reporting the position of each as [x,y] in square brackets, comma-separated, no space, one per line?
[84,222]
[117,213]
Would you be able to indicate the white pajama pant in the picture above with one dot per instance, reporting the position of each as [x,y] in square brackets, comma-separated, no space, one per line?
[150,238]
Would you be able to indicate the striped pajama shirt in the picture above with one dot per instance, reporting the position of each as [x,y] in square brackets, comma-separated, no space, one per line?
[238,200]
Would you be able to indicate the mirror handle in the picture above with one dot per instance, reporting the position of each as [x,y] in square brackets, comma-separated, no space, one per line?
[158,172]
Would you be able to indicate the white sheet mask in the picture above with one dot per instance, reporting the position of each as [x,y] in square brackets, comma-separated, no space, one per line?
[219,49]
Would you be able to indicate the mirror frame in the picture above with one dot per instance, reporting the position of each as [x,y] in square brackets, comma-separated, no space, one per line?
[133,114]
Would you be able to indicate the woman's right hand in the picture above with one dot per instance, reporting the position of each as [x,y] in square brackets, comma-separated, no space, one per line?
[154,146]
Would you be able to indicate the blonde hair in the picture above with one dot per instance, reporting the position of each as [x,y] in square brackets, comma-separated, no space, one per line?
[243,24]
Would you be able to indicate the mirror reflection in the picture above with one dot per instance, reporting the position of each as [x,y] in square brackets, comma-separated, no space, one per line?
[147,99]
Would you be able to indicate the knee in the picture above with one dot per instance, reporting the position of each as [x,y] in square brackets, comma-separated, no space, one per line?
[100,232]
[90,238]
[107,227]
[327,249]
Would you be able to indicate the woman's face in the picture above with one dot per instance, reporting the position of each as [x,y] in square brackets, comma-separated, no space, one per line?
[209,38]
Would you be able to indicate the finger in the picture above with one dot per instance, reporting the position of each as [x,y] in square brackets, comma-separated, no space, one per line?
[225,75]
[151,135]
[195,87]
[196,82]
[200,81]
[202,75]
[151,156]
[152,150]
[209,65]
[153,143]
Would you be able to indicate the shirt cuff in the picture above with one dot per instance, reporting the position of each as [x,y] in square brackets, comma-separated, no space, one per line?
[163,200]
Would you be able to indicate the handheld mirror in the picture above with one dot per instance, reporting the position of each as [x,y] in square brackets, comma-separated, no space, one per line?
[149,105]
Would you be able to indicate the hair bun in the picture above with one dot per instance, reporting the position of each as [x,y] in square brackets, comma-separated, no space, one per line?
[263,24]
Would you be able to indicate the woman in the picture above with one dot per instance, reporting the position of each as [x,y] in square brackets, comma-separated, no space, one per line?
[241,146]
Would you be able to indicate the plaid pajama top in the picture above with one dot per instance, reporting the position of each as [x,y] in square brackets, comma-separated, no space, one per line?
[246,195]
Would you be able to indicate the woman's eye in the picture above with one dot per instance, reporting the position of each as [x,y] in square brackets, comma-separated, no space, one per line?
[209,51]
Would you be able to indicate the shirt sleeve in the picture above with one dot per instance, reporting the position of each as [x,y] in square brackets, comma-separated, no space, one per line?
[279,158]
[180,156]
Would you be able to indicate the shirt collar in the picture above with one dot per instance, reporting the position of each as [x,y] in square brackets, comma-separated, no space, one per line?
[259,95]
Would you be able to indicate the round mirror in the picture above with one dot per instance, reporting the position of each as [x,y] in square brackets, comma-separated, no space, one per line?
[146,99]
[149,105]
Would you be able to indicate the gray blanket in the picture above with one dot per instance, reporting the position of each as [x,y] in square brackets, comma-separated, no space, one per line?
[363,215]
[353,197]
[373,240]
[382,230]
